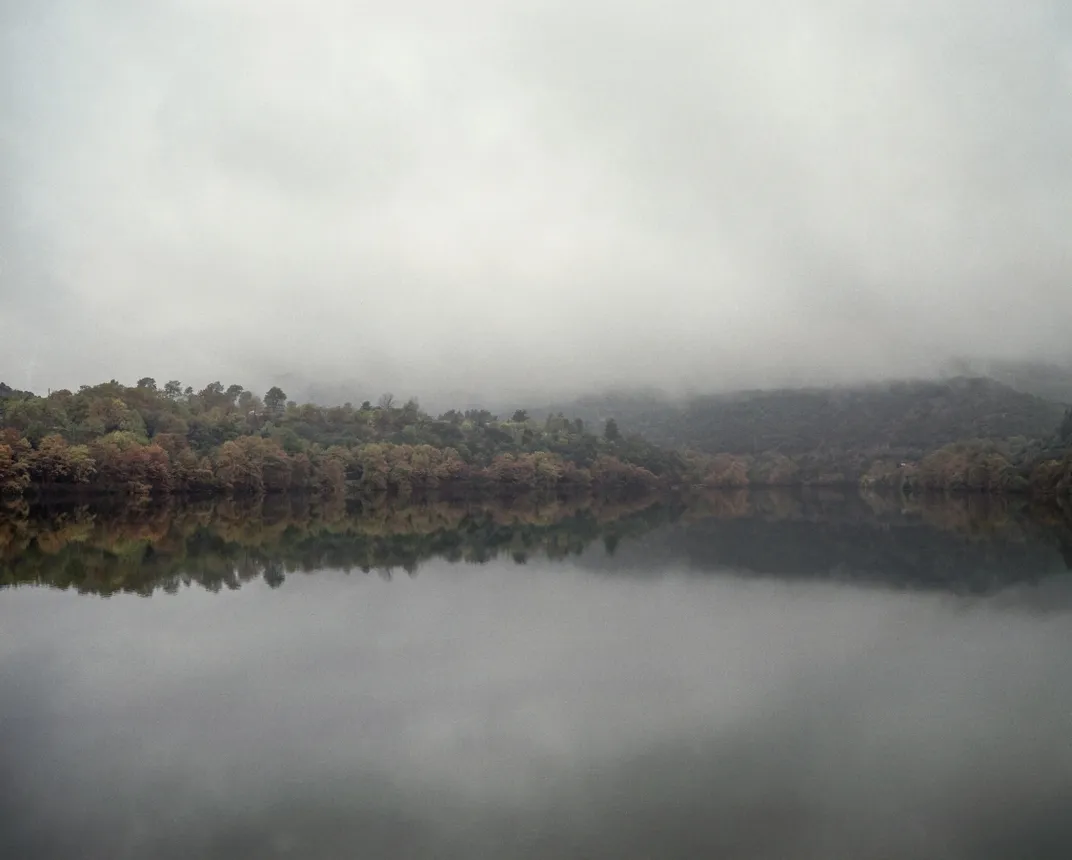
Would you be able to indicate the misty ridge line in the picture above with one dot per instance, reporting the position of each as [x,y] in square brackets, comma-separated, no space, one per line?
[961,434]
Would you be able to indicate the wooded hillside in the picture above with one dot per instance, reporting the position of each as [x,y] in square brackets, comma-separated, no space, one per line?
[913,416]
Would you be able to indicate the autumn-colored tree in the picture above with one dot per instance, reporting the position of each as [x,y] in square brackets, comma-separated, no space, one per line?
[237,472]
[226,440]
[56,462]
[548,468]
[14,472]
[612,473]
[125,464]
[722,470]
[192,473]
[301,472]
[276,469]
[331,476]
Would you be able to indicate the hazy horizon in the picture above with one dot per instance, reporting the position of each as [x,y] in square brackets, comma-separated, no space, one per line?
[519,204]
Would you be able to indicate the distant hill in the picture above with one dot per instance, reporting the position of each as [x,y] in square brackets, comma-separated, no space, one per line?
[1049,381]
[910,415]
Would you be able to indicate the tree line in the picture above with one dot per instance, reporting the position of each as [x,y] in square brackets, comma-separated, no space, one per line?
[159,440]
[148,439]
[1021,466]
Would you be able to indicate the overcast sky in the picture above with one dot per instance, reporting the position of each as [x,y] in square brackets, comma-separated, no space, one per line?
[530,197]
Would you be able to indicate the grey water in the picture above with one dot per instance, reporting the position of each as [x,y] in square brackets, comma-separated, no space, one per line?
[815,685]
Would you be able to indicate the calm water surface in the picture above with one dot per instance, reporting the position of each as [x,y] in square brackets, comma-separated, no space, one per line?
[756,679]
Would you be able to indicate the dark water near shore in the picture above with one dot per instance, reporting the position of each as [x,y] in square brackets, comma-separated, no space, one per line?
[748,676]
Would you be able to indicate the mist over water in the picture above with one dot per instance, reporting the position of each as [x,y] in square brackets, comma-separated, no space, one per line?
[683,691]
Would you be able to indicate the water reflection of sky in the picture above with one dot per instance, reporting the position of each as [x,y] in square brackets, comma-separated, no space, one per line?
[535,711]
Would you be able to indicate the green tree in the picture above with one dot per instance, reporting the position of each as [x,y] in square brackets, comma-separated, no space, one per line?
[480,417]
[212,395]
[611,432]
[274,399]
[411,411]
[109,414]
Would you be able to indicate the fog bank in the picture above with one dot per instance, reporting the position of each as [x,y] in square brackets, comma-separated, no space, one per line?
[536,200]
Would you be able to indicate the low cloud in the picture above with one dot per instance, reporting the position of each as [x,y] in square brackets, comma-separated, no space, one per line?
[536,200]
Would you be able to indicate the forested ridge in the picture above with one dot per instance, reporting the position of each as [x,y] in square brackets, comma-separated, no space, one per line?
[962,433]
[913,416]
[150,439]
[146,439]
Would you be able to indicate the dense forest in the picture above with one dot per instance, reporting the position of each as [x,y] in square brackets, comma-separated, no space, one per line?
[146,439]
[910,417]
[150,439]
[956,434]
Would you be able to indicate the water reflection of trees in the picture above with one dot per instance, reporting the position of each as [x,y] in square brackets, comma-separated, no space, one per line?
[980,515]
[222,545]
[967,543]
[142,549]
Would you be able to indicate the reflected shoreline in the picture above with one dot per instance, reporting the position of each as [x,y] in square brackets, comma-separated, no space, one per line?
[972,542]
